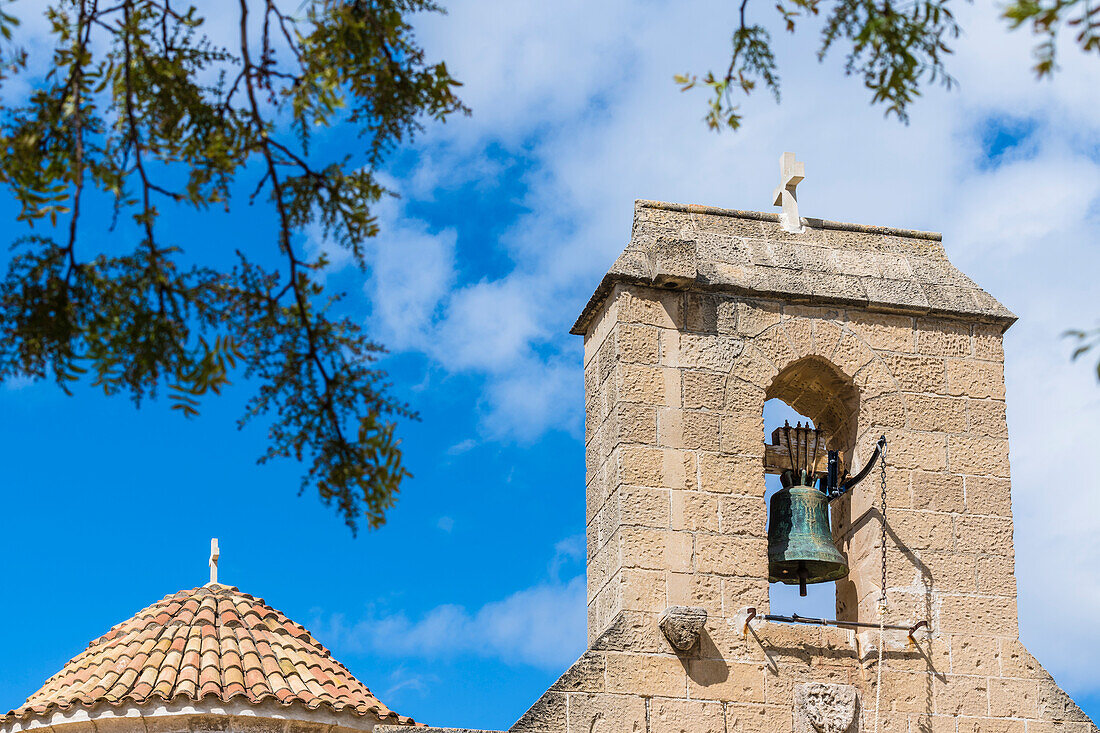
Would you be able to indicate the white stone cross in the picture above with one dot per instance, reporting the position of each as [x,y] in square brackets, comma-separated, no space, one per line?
[791,174]
[214,555]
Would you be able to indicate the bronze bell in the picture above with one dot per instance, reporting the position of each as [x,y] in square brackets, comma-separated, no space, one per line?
[800,539]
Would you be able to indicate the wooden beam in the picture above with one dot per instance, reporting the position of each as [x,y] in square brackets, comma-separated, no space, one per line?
[777,460]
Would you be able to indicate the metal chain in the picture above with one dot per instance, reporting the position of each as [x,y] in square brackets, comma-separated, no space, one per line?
[882,465]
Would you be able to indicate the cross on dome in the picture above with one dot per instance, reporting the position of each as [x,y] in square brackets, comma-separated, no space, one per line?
[791,173]
[214,555]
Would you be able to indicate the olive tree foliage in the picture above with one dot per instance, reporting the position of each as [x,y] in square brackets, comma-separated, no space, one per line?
[141,109]
[896,48]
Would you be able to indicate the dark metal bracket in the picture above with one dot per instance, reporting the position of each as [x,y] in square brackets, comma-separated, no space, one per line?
[832,489]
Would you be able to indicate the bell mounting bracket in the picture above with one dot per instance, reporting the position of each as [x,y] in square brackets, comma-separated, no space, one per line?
[833,486]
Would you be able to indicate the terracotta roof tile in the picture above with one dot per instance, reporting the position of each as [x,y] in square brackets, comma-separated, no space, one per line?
[208,641]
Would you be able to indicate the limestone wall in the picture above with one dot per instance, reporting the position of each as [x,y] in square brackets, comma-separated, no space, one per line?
[675,383]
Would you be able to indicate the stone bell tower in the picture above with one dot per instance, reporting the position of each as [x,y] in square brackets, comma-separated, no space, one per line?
[868,331]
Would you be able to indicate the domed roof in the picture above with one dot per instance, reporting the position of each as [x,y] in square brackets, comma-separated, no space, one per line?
[211,643]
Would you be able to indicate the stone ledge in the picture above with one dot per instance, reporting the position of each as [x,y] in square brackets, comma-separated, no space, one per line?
[744,253]
[764,216]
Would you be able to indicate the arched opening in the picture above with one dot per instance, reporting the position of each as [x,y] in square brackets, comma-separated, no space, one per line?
[814,392]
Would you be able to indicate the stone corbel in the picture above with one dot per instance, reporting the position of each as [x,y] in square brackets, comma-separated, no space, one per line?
[682,626]
[673,263]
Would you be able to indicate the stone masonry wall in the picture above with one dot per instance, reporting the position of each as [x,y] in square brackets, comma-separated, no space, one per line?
[675,383]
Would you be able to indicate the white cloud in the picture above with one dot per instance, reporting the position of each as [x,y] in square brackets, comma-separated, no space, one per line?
[542,626]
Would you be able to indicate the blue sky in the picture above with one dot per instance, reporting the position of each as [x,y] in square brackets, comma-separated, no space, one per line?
[506,222]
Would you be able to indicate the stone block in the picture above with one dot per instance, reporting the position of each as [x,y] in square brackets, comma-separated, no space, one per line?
[754,317]
[637,343]
[800,335]
[978,456]
[753,367]
[1017,661]
[630,631]
[646,674]
[961,695]
[694,511]
[715,679]
[605,712]
[1055,704]
[885,411]
[641,466]
[938,337]
[701,312]
[936,414]
[884,332]
[775,347]
[758,718]
[633,423]
[742,515]
[989,342]
[649,306]
[1059,726]
[851,354]
[874,379]
[726,555]
[686,716]
[656,549]
[988,615]
[924,451]
[641,383]
[988,495]
[642,590]
[696,589]
[987,417]
[584,675]
[975,655]
[1013,698]
[990,725]
[985,535]
[547,714]
[996,575]
[694,430]
[706,351]
[731,474]
[939,492]
[743,591]
[951,572]
[741,433]
[642,506]
[703,390]
[915,373]
[906,692]
[657,467]
[917,530]
[827,335]
[976,379]
[672,262]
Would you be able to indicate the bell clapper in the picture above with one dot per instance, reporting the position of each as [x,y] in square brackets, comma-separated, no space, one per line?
[803,576]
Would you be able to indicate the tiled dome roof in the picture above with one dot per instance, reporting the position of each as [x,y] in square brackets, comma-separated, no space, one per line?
[210,643]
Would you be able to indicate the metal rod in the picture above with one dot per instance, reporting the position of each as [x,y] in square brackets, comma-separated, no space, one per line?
[787,433]
[796,619]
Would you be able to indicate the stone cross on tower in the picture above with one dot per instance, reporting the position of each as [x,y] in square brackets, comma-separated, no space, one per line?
[791,174]
[214,555]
